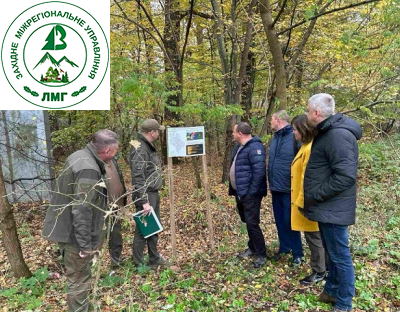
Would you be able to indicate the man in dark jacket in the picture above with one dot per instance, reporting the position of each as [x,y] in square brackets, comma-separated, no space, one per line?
[330,193]
[75,217]
[248,183]
[146,181]
[281,154]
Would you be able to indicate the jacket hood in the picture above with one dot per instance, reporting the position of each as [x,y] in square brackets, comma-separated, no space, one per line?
[338,121]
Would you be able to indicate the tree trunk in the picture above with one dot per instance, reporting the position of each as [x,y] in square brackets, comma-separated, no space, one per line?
[266,128]
[228,77]
[9,234]
[246,54]
[172,59]
[248,85]
[9,154]
[196,168]
[222,51]
[49,148]
[276,52]
[229,145]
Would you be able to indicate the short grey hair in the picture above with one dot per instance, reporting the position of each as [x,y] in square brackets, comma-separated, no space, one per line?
[103,139]
[324,103]
[283,115]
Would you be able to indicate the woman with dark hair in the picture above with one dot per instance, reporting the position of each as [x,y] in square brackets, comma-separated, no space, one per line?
[305,134]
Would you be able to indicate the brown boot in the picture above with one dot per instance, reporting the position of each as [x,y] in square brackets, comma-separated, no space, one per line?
[161,262]
[325,298]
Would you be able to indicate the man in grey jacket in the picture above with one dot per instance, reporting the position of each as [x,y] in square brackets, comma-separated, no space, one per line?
[146,181]
[75,217]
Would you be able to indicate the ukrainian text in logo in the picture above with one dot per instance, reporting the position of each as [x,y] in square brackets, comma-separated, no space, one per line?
[55,55]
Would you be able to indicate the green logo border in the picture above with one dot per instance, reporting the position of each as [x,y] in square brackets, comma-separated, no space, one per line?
[108,53]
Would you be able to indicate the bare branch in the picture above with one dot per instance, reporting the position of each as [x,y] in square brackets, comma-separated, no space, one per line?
[353,5]
[279,14]
[189,24]
[203,15]
[161,45]
[370,105]
[28,179]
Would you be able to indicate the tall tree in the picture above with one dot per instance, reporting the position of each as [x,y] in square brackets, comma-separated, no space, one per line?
[9,234]
[9,152]
[233,65]
[283,61]
[276,52]
[172,55]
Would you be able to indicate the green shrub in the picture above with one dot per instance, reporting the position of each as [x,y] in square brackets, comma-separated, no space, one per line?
[29,291]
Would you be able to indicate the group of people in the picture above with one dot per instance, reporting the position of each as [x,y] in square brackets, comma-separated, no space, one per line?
[312,173]
[91,186]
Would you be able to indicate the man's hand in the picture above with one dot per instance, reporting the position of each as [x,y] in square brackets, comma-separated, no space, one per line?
[84,254]
[146,209]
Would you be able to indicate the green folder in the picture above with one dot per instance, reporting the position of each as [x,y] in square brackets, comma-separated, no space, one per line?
[148,225]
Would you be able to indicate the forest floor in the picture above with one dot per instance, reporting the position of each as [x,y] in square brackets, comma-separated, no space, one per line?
[202,279]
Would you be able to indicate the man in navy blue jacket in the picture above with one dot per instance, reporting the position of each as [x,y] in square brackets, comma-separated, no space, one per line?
[281,154]
[330,193]
[247,181]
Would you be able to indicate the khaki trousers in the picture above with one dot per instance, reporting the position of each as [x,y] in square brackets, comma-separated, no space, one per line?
[78,276]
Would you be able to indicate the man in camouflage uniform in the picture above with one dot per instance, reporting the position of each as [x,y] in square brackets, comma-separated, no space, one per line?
[146,180]
[75,217]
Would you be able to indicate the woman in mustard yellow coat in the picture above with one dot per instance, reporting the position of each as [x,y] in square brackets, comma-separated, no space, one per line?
[305,133]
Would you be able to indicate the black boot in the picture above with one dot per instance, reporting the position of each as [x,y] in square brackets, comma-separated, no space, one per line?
[313,278]
[245,254]
[259,262]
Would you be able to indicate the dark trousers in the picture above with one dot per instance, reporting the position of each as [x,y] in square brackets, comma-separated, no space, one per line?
[249,211]
[289,240]
[78,276]
[318,260]
[340,281]
[139,242]
[115,241]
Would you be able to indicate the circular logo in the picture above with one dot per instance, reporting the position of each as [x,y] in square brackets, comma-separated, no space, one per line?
[55,55]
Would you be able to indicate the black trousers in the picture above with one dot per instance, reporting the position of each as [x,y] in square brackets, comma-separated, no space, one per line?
[115,242]
[249,211]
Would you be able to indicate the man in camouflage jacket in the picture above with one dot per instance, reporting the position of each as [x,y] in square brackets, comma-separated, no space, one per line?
[146,181]
[75,217]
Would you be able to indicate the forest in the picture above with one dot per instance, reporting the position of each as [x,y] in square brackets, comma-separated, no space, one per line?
[215,63]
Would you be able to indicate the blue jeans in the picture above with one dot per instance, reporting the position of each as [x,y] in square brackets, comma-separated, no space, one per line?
[340,281]
[289,240]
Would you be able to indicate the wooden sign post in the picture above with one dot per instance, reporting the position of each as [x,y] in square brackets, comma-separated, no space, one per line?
[184,142]
[171,207]
[208,201]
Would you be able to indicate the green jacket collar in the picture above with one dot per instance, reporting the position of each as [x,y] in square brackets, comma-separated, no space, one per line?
[144,139]
[89,147]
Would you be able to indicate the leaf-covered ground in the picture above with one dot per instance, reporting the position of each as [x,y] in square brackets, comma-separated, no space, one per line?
[202,279]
